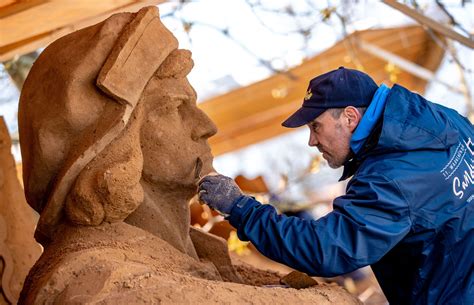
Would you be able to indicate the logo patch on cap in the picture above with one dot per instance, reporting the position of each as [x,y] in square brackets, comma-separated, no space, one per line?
[308,95]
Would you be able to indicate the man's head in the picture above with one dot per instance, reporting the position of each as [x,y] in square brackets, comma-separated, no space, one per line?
[332,108]
[331,132]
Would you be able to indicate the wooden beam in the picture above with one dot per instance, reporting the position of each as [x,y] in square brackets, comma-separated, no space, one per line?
[42,24]
[254,113]
[6,2]
[404,64]
[431,23]
[14,7]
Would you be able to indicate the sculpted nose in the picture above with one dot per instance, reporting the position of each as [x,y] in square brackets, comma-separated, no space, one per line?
[204,128]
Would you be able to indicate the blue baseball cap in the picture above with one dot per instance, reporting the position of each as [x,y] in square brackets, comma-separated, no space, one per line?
[335,89]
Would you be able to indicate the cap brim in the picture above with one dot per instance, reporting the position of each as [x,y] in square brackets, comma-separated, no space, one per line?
[302,116]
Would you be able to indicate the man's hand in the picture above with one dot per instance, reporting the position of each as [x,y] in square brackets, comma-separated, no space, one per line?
[219,192]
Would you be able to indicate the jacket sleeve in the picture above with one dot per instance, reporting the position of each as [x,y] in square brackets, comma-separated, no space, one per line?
[365,224]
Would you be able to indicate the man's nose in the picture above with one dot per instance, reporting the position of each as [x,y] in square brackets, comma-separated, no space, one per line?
[313,141]
[204,128]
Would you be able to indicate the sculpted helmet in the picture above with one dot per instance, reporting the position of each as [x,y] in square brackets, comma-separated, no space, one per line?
[78,98]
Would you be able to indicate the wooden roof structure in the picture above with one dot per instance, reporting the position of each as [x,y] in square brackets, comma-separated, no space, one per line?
[254,113]
[26,25]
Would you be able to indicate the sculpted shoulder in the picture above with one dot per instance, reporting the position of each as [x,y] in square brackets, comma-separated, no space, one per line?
[89,264]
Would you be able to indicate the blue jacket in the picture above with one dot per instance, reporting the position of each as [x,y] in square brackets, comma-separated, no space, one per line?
[408,210]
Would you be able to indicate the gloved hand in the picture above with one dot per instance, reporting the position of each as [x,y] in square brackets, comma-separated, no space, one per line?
[219,192]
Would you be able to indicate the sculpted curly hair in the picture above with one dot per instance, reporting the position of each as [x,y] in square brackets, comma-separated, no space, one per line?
[108,189]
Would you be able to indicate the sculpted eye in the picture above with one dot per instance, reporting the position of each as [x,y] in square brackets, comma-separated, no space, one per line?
[166,105]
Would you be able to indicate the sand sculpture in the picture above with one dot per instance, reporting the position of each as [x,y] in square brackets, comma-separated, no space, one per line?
[113,145]
[18,249]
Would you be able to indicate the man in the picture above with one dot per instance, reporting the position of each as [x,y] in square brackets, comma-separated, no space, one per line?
[408,209]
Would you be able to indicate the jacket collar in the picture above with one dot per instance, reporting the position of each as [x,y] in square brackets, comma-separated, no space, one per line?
[351,165]
[369,119]
[367,134]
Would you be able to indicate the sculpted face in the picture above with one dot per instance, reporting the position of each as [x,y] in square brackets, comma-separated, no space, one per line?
[174,134]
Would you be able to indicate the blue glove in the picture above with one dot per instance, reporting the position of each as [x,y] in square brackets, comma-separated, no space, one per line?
[219,192]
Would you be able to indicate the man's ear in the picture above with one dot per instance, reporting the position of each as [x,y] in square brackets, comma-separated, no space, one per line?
[352,116]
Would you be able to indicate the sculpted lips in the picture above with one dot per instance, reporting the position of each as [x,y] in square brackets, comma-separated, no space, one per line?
[203,164]
[198,169]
